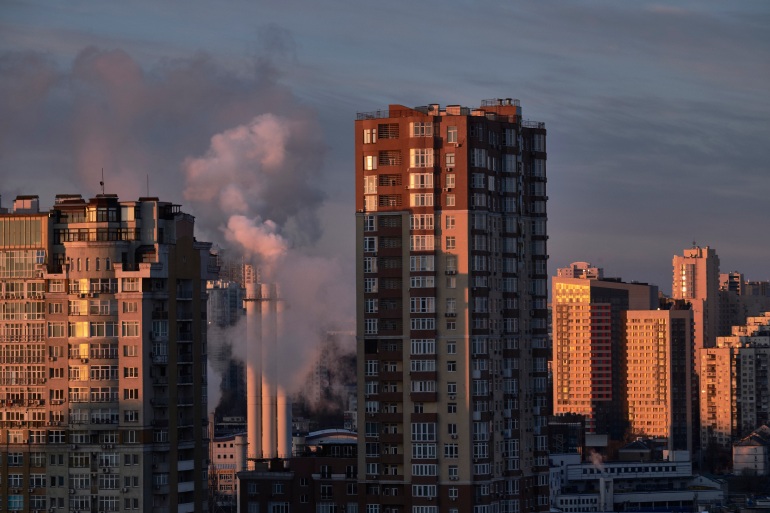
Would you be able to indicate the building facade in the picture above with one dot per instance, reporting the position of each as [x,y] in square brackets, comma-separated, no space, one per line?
[589,367]
[735,384]
[696,280]
[659,375]
[103,350]
[452,309]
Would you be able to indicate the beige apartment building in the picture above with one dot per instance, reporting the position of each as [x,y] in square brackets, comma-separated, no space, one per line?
[734,389]
[103,352]
[589,371]
[452,317]
[696,280]
[659,375]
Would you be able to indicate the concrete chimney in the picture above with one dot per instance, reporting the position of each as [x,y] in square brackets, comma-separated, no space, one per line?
[253,372]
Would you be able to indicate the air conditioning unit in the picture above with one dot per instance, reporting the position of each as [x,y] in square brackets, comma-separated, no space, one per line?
[124,490]
[72,491]
[454,437]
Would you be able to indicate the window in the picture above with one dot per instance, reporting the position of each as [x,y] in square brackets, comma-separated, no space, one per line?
[421,200]
[451,242]
[422,129]
[422,243]
[451,134]
[371,305]
[130,393]
[449,160]
[370,284]
[422,282]
[449,222]
[370,162]
[371,367]
[451,366]
[423,386]
[370,326]
[450,200]
[370,264]
[421,221]
[370,224]
[370,184]
[451,451]
[421,181]
[424,432]
[423,346]
[422,323]
[370,135]
[422,305]
[421,157]
[130,328]
[451,408]
[422,263]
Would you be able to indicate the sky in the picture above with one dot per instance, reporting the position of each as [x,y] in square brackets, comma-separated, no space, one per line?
[658,114]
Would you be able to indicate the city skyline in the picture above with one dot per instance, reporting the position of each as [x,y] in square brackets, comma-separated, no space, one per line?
[655,113]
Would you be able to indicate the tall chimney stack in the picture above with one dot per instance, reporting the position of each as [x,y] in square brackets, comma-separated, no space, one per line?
[253,371]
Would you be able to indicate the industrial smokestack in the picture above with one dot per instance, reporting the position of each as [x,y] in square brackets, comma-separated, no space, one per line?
[253,372]
[269,302]
[276,407]
[284,424]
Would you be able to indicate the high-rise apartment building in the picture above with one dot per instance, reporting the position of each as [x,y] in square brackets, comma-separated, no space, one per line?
[103,351]
[589,371]
[659,375]
[735,384]
[452,309]
[696,280]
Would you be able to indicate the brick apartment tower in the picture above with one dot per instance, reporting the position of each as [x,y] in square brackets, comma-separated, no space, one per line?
[452,309]
[103,351]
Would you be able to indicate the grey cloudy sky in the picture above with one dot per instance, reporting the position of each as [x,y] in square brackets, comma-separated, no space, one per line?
[658,114]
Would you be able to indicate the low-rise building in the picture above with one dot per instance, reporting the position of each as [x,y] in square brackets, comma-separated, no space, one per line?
[751,456]
[586,486]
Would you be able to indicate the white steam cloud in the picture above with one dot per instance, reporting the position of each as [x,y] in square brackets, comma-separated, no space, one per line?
[235,147]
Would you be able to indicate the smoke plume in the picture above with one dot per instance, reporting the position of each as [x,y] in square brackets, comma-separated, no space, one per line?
[234,146]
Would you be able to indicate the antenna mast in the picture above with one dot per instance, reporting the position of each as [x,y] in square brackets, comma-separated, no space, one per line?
[102,182]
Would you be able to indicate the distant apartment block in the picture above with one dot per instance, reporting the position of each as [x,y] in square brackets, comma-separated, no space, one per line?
[589,368]
[659,380]
[580,270]
[735,390]
[696,280]
[103,352]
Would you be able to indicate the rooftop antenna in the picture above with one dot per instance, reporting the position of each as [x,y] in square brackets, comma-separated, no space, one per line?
[102,182]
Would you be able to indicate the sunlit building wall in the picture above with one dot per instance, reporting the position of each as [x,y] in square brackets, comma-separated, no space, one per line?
[588,355]
[696,280]
[735,384]
[659,375]
[103,353]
